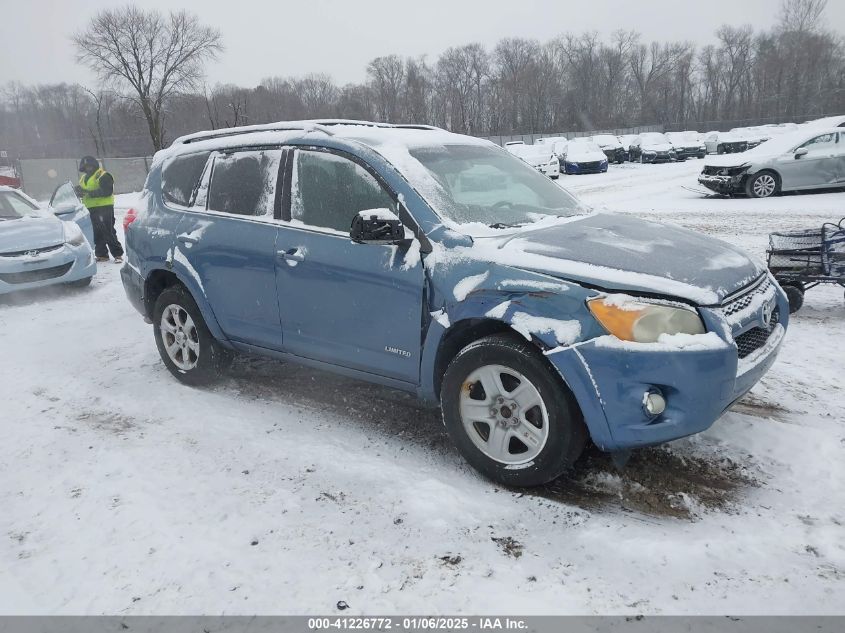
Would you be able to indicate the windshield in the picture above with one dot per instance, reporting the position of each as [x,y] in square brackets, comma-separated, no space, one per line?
[655,138]
[484,184]
[14,207]
[605,139]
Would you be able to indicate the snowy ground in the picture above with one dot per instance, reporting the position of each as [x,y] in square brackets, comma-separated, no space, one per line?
[286,490]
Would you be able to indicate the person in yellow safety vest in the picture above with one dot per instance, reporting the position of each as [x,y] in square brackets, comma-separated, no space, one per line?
[96,188]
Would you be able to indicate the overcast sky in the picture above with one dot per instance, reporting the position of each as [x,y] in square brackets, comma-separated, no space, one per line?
[340,36]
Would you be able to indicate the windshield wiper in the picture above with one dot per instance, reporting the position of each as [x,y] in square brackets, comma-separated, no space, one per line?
[502,225]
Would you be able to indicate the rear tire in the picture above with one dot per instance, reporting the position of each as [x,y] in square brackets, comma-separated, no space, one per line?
[185,345]
[509,415]
[795,296]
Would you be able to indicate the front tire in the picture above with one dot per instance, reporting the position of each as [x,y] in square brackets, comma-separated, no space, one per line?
[795,296]
[762,185]
[510,417]
[185,345]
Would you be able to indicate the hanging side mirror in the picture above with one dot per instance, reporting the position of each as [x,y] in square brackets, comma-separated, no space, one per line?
[377,226]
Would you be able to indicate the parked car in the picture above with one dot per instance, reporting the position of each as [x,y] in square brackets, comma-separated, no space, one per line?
[583,157]
[37,248]
[827,122]
[806,159]
[611,147]
[441,265]
[752,136]
[686,145]
[540,157]
[724,143]
[626,140]
[652,147]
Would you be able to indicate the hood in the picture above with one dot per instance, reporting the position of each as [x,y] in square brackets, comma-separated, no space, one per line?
[728,160]
[30,233]
[538,159]
[624,253]
[584,155]
[657,147]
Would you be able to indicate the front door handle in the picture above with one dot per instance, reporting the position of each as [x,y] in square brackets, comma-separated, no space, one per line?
[187,238]
[292,255]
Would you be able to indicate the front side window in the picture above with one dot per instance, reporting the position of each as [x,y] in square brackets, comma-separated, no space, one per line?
[825,141]
[180,176]
[244,183]
[328,191]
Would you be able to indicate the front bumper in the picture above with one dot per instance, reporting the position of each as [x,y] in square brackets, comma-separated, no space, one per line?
[658,157]
[59,265]
[723,184]
[699,385]
[593,167]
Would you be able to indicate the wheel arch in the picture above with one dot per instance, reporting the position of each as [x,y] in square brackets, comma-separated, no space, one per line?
[160,279]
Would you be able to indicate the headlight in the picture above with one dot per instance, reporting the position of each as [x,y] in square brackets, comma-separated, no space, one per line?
[631,320]
[73,234]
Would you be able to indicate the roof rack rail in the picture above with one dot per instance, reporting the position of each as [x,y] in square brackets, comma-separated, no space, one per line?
[294,126]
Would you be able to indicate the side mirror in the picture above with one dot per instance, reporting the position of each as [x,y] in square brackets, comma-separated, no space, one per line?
[801,151]
[377,226]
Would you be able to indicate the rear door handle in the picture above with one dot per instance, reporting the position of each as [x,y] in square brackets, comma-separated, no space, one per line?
[292,255]
[187,239]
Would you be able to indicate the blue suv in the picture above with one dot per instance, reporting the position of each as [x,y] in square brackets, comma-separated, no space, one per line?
[440,264]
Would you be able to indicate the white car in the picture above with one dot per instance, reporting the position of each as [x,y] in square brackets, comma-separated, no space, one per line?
[827,122]
[687,144]
[724,143]
[807,159]
[753,136]
[550,140]
[540,157]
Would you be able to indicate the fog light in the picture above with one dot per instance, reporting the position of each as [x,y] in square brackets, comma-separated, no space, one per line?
[654,403]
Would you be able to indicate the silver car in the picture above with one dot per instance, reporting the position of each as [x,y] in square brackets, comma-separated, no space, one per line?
[805,159]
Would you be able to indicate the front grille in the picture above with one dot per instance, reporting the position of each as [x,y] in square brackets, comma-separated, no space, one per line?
[33,251]
[594,165]
[740,303]
[755,338]
[30,276]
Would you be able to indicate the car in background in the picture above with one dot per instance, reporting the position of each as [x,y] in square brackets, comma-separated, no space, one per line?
[512,144]
[611,147]
[652,147]
[460,275]
[752,136]
[626,140]
[827,122]
[724,143]
[686,145]
[807,159]
[583,157]
[540,157]
[37,248]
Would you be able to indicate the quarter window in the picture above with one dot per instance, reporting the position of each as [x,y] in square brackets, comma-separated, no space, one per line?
[244,183]
[328,190]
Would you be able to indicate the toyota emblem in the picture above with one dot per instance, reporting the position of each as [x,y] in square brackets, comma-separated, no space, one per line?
[767,315]
[31,253]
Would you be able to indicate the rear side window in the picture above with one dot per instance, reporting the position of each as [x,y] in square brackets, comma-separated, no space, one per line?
[180,176]
[328,190]
[244,183]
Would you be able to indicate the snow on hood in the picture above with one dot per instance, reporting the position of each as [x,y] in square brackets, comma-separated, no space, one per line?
[30,232]
[617,252]
[656,146]
[584,153]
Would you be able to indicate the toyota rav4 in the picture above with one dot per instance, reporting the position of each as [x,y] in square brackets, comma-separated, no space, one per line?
[440,264]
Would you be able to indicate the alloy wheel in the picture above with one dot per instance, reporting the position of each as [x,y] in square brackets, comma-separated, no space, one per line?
[180,337]
[504,415]
[764,186]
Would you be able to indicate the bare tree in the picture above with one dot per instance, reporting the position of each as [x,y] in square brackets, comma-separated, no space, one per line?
[157,56]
